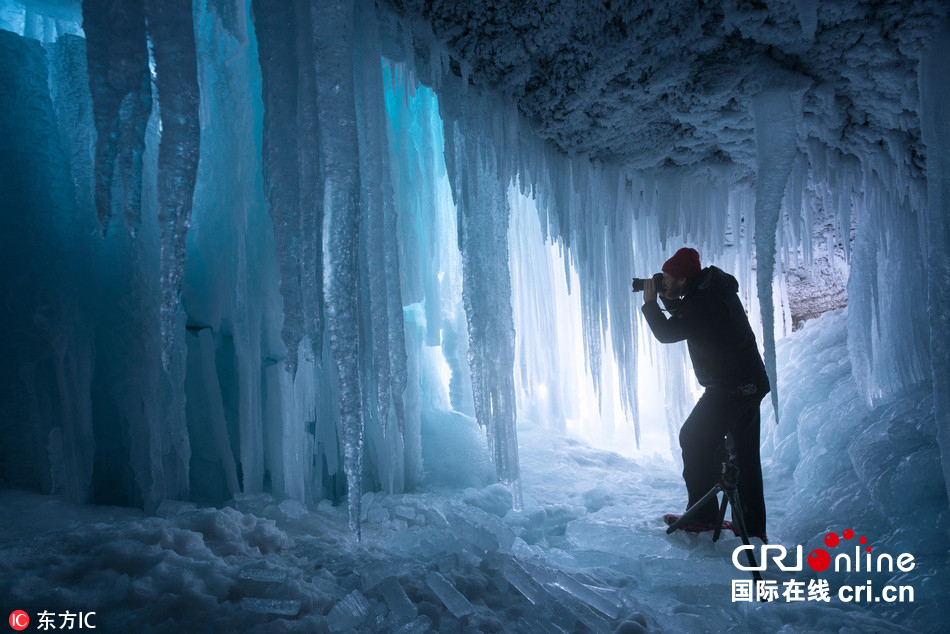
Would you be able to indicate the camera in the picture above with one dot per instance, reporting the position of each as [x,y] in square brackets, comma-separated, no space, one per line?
[657,279]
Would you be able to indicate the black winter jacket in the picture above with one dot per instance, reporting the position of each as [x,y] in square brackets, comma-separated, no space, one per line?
[711,319]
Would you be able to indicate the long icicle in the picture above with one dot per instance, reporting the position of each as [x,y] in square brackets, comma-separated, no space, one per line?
[336,113]
[172,33]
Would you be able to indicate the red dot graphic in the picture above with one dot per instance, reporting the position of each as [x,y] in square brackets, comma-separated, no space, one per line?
[863,540]
[831,540]
[19,620]
[819,560]
[869,549]
[848,533]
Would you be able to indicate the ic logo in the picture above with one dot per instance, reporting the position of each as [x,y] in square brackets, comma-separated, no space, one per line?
[19,620]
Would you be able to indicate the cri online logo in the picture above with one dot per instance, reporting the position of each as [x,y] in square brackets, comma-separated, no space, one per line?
[19,620]
[819,560]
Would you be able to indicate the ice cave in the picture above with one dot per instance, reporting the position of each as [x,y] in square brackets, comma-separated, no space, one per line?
[317,314]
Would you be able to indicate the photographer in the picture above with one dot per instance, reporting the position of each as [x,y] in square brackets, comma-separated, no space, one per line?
[705,311]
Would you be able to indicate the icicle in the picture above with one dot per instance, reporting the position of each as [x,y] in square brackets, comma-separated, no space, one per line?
[888,276]
[120,83]
[336,113]
[483,230]
[172,33]
[385,359]
[278,62]
[775,116]
[309,259]
[291,167]
[69,89]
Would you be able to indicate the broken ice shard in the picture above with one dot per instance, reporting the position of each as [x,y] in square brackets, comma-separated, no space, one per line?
[594,597]
[522,581]
[397,600]
[284,607]
[348,613]
[419,626]
[264,576]
[450,597]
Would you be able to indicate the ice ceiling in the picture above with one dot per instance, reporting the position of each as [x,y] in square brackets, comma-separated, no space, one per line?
[669,83]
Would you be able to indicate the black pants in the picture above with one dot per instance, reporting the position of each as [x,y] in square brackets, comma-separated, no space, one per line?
[720,412]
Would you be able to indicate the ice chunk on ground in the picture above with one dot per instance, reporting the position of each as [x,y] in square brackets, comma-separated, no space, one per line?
[293,509]
[377,515]
[284,607]
[601,599]
[450,597]
[371,575]
[419,626]
[328,588]
[495,498]
[514,574]
[572,595]
[475,536]
[348,613]
[263,575]
[365,504]
[397,600]
[405,512]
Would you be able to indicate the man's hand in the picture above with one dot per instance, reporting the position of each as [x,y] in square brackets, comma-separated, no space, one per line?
[649,290]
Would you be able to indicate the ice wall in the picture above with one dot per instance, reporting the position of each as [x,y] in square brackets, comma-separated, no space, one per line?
[845,461]
[45,319]
[935,126]
[245,329]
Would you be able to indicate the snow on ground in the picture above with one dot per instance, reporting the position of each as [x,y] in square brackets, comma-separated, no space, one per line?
[588,553]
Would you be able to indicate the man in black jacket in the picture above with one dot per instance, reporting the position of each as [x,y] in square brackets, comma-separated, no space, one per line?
[705,310]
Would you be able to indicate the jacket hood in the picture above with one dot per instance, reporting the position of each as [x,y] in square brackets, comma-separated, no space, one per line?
[714,280]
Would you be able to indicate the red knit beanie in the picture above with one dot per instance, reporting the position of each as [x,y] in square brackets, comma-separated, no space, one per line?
[684,263]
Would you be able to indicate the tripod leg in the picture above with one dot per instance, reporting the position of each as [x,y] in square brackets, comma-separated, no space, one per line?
[686,516]
[722,516]
[733,496]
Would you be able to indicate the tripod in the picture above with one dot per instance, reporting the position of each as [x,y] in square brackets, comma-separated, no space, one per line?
[728,484]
